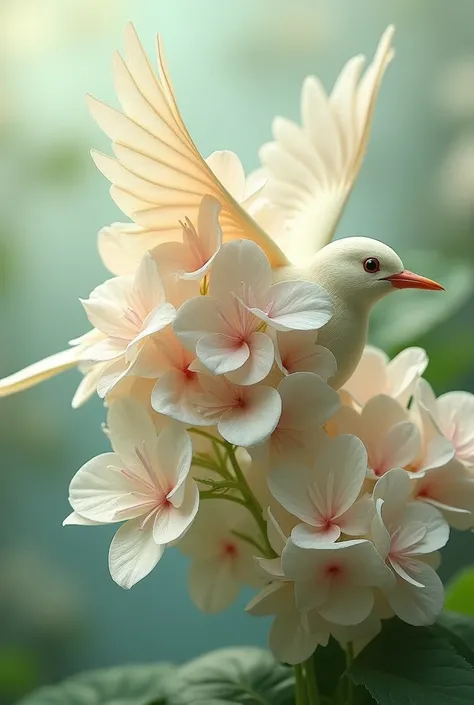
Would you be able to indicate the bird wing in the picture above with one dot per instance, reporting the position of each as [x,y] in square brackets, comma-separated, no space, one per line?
[158,176]
[312,168]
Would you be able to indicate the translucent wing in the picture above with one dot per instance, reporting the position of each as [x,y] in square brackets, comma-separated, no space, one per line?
[158,176]
[312,168]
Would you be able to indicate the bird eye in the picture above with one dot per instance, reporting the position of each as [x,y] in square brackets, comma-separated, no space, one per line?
[371,265]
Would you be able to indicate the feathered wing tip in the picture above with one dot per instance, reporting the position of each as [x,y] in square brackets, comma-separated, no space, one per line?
[50,366]
[38,372]
[312,168]
[158,176]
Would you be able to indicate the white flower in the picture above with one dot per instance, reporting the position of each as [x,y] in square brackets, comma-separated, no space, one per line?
[221,562]
[297,351]
[226,327]
[127,310]
[144,483]
[307,403]
[376,374]
[454,414]
[337,579]
[325,496]
[245,416]
[450,488]
[404,532]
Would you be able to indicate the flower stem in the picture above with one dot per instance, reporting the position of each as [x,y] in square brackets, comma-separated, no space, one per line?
[311,683]
[251,501]
[209,494]
[300,690]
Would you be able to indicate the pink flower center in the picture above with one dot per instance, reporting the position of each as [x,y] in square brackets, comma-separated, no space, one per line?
[229,550]
[333,570]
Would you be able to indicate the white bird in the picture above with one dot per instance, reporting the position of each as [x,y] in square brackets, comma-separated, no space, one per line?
[159,177]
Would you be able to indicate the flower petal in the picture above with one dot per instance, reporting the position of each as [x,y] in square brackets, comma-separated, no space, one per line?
[296,305]
[133,554]
[259,363]
[172,395]
[418,606]
[172,522]
[348,606]
[212,584]
[254,420]
[173,452]
[222,353]
[196,318]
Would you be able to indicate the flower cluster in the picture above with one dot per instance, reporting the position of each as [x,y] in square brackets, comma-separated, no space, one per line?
[229,442]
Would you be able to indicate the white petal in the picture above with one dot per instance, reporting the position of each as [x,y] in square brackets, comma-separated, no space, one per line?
[307,401]
[196,318]
[239,262]
[173,452]
[404,371]
[456,417]
[299,353]
[110,376]
[394,488]
[228,168]
[209,231]
[222,353]
[172,522]
[370,376]
[297,305]
[289,486]
[275,533]
[340,472]
[288,639]
[148,291]
[358,518]
[254,420]
[133,554]
[378,531]
[172,395]
[309,536]
[348,606]
[437,528]
[259,363]
[212,584]
[156,320]
[418,606]
[75,519]
[129,426]
[101,492]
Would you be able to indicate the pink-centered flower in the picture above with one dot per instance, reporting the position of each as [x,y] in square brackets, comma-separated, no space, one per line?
[143,483]
[326,496]
[221,562]
[227,328]
[454,414]
[127,310]
[337,579]
[405,532]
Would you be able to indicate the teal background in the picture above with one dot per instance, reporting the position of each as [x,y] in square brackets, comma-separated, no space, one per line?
[234,66]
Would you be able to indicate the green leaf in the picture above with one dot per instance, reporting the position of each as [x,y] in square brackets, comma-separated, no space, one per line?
[407,665]
[459,629]
[330,664]
[403,317]
[460,593]
[247,676]
[124,685]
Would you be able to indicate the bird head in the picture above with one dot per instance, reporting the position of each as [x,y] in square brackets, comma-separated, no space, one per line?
[364,270]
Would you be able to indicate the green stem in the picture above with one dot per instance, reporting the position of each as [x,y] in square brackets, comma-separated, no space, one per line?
[209,436]
[311,683]
[248,539]
[300,690]
[209,494]
[251,501]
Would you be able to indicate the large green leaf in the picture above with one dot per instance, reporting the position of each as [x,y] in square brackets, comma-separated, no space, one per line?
[247,676]
[124,685]
[407,665]
[460,593]
[459,629]
[403,317]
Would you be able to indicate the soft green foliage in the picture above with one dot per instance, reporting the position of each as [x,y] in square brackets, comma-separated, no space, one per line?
[403,665]
[125,685]
[407,665]
[460,593]
[403,318]
[248,676]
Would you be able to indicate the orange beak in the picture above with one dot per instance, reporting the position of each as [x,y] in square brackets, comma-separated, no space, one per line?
[410,280]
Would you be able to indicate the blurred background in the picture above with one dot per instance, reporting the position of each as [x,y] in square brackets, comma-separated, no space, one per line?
[235,66]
